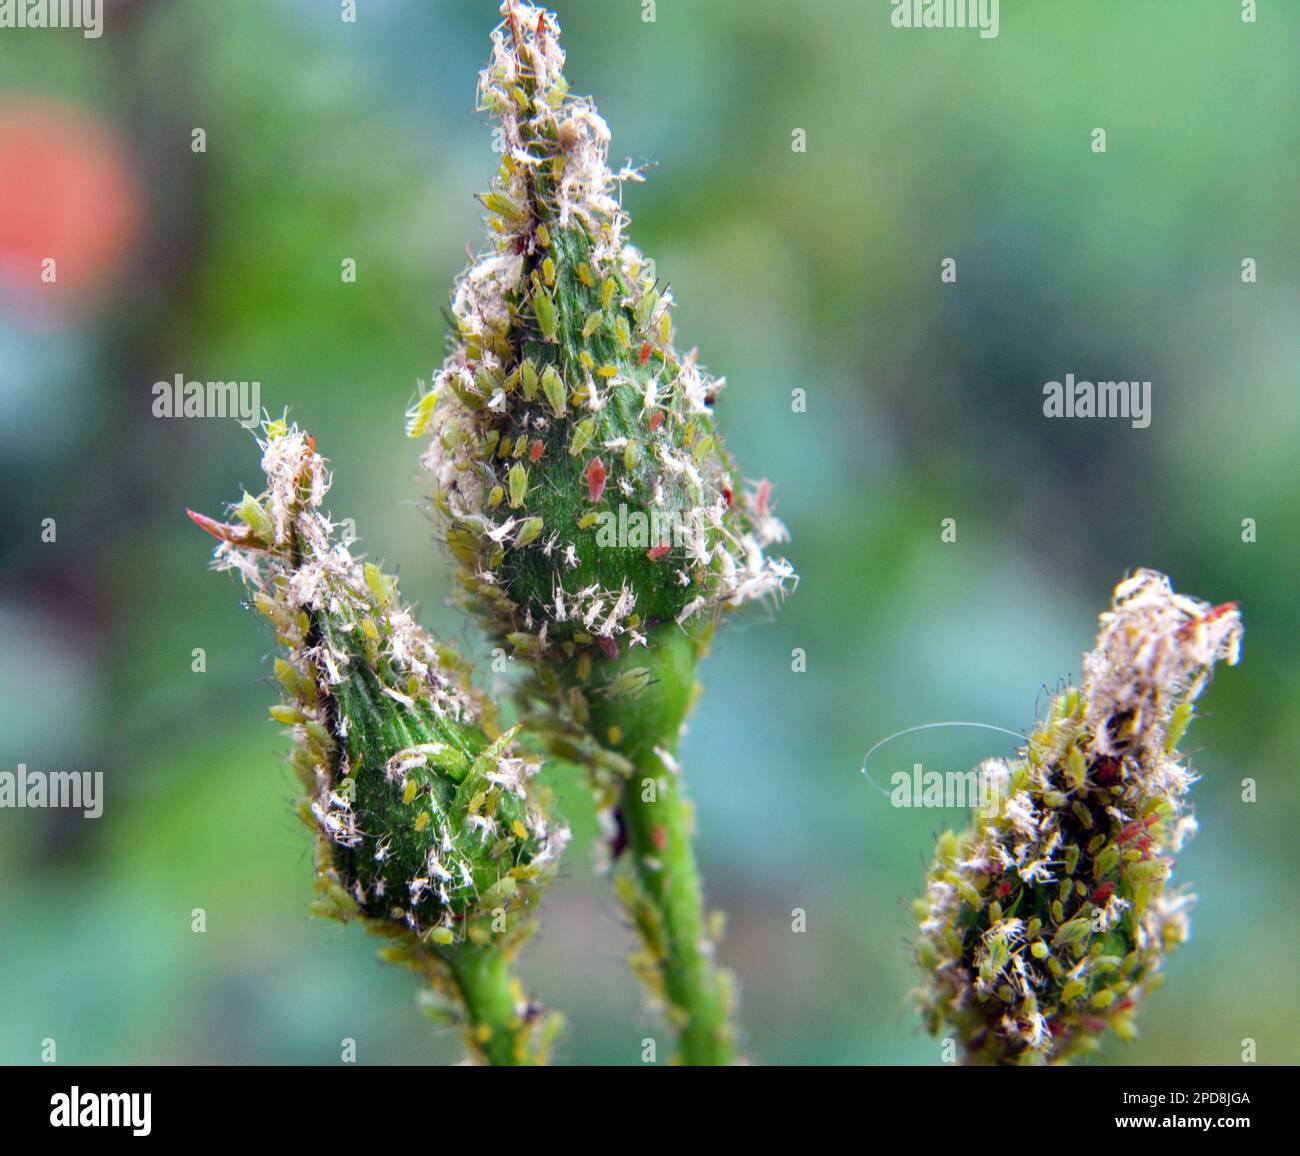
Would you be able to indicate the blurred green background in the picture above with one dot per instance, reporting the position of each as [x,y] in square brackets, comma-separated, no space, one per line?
[817,270]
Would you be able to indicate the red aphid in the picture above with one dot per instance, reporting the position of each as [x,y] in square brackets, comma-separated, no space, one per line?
[1211,615]
[1138,827]
[644,357]
[1105,770]
[1005,888]
[596,479]
[656,419]
[763,496]
[1103,893]
[659,837]
[1130,832]
[536,450]
[608,647]
[657,552]
[726,493]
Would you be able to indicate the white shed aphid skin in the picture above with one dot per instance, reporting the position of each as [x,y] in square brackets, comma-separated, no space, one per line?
[1080,850]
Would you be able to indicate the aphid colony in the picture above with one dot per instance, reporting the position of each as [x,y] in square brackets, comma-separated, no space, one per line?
[562,408]
[1048,921]
[564,399]
[427,819]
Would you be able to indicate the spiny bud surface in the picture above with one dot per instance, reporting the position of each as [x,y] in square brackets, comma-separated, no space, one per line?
[580,479]
[427,817]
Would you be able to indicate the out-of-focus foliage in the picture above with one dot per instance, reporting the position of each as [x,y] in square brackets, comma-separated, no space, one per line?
[816,269]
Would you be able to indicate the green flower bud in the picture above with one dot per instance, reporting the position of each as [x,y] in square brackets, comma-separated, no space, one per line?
[626,523]
[600,528]
[430,826]
[1047,922]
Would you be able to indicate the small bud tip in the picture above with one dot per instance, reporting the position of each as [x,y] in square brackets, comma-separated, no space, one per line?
[240,536]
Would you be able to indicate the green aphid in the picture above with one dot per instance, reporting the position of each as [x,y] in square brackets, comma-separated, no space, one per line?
[998,953]
[544,310]
[1178,724]
[1073,989]
[523,642]
[292,679]
[487,381]
[583,432]
[517,480]
[553,387]
[1071,858]
[529,532]
[496,202]
[252,513]
[286,714]
[468,397]
[1077,768]
[1075,931]
[528,378]
[645,308]
[1106,862]
[1146,871]
[628,684]
[381,585]
[557,92]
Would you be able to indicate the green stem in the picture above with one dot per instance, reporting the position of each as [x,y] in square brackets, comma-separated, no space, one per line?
[665,896]
[495,1029]
[659,831]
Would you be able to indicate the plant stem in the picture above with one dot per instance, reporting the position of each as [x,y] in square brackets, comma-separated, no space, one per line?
[661,882]
[661,886]
[679,947]
[495,1029]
